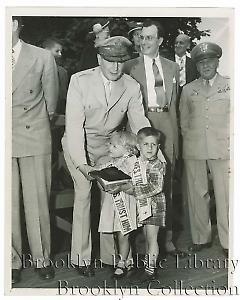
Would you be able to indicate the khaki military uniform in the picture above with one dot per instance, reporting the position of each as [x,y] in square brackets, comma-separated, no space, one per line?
[205,119]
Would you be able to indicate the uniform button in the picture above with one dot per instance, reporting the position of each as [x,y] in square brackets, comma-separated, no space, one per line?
[206,117]
[207,126]
[27,126]
[208,99]
[31,91]
[206,107]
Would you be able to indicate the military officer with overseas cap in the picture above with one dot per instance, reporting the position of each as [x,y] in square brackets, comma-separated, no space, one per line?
[205,118]
[97,102]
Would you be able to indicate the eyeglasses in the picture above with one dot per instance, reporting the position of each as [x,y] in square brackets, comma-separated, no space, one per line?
[147,38]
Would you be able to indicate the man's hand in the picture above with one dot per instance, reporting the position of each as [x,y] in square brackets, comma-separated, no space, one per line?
[126,188]
[85,169]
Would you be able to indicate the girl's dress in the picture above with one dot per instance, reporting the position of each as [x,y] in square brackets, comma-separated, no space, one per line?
[109,221]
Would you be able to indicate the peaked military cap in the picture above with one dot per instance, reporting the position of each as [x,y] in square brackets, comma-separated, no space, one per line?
[134,26]
[206,50]
[116,48]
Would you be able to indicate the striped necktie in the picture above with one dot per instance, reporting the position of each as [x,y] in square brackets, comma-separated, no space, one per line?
[158,86]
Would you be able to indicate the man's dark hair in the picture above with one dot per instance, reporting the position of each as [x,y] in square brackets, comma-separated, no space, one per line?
[50,42]
[149,131]
[20,21]
[150,22]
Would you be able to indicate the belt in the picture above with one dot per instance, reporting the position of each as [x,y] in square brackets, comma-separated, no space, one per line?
[158,109]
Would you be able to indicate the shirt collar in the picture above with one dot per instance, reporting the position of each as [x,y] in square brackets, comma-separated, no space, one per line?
[149,59]
[211,81]
[17,47]
[178,58]
[105,80]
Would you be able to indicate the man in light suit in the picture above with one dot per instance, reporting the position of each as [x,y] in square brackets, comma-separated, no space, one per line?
[205,118]
[97,102]
[34,98]
[160,105]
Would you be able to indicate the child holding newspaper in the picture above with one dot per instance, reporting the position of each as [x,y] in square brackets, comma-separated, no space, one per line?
[119,210]
[148,178]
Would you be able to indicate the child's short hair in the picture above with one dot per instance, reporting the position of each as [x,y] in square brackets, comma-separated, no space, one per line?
[126,139]
[149,131]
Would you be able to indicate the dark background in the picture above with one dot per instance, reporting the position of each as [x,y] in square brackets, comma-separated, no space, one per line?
[74,33]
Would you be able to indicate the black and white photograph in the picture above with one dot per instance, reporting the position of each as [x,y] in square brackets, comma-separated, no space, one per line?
[119,145]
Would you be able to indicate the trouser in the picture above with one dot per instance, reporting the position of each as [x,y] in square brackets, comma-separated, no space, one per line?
[198,199]
[32,175]
[81,228]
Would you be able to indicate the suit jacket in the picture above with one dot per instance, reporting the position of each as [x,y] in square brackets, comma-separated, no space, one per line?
[205,118]
[136,69]
[34,95]
[90,121]
[191,70]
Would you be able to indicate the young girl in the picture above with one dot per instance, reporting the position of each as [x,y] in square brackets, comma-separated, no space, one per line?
[118,212]
[147,178]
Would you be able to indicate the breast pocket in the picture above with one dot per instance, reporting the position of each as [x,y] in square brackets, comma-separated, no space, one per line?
[220,105]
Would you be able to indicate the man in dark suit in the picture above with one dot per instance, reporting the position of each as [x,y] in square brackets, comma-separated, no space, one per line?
[159,80]
[188,70]
[34,99]
[55,46]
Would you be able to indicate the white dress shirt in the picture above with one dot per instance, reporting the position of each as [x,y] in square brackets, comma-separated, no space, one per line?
[16,51]
[181,61]
[107,86]
[152,97]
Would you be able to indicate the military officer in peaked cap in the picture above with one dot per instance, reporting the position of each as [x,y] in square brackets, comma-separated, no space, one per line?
[98,100]
[205,118]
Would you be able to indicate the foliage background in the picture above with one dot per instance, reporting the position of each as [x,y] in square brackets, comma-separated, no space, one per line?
[74,33]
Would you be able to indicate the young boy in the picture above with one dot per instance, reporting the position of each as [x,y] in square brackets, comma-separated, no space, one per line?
[148,179]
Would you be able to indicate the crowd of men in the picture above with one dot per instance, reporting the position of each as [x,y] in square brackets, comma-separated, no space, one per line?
[184,97]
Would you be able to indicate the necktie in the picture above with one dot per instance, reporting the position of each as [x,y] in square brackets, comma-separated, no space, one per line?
[207,85]
[158,86]
[13,60]
[108,91]
[181,67]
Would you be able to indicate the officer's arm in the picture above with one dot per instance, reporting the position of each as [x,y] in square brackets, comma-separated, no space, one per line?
[75,117]
[50,83]
[184,111]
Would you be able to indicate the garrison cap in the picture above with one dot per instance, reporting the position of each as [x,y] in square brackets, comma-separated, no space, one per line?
[99,25]
[116,48]
[206,50]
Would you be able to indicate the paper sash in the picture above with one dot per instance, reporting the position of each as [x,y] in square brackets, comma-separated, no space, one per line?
[122,211]
[140,178]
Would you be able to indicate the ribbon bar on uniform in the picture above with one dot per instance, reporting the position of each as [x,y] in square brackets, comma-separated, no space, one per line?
[158,109]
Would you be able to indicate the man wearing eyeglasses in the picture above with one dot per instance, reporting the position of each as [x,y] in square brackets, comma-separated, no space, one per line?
[205,118]
[159,81]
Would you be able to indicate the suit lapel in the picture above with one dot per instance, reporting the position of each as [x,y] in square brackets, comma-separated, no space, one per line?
[138,72]
[24,64]
[168,78]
